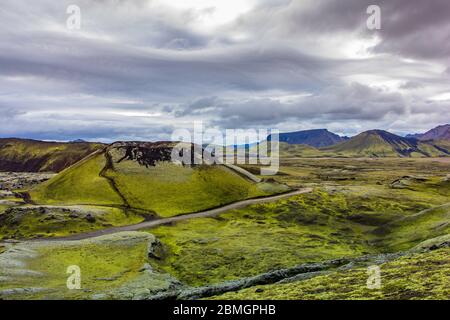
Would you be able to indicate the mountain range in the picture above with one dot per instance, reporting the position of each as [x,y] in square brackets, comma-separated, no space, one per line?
[372,143]
[42,156]
[380,143]
[25,155]
[438,133]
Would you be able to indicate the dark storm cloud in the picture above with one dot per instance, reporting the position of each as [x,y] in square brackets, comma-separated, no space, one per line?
[335,103]
[139,68]
[414,28]
[422,30]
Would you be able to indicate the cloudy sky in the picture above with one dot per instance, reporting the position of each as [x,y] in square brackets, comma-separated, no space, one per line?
[138,69]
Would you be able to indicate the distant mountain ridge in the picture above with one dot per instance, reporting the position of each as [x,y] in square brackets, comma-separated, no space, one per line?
[439,133]
[26,155]
[380,143]
[315,138]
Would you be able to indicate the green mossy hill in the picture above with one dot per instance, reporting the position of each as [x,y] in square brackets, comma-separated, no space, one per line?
[379,143]
[417,276]
[21,155]
[299,150]
[405,232]
[139,176]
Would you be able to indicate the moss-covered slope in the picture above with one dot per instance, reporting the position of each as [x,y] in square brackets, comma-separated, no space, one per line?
[418,276]
[138,176]
[21,155]
[379,143]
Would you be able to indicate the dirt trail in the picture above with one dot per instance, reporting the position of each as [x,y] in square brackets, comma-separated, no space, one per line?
[243,172]
[155,223]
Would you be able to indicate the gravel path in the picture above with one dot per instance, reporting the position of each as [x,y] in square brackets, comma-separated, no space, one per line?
[158,222]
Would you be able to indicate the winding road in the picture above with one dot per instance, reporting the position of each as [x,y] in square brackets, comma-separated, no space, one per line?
[159,222]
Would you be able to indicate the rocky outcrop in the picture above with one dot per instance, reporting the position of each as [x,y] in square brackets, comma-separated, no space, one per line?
[21,180]
[148,154]
[156,249]
[300,272]
[145,153]
[407,181]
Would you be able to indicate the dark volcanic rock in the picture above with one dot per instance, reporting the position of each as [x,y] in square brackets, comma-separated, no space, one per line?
[148,153]
[90,218]
[156,250]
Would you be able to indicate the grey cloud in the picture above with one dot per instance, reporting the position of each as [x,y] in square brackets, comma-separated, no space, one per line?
[413,28]
[131,57]
[411,85]
[353,102]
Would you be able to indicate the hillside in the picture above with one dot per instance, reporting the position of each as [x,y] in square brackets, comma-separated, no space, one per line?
[315,138]
[413,276]
[140,176]
[298,150]
[379,143]
[438,133]
[23,155]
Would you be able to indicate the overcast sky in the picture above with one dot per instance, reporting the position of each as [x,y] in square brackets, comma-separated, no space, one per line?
[138,69]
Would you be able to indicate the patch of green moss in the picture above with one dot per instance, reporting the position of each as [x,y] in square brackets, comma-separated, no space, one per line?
[419,276]
[404,233]
[97,262]
[105,265]
[362,173]
[261,238]
[323,225]
[59,222]
[3,208]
